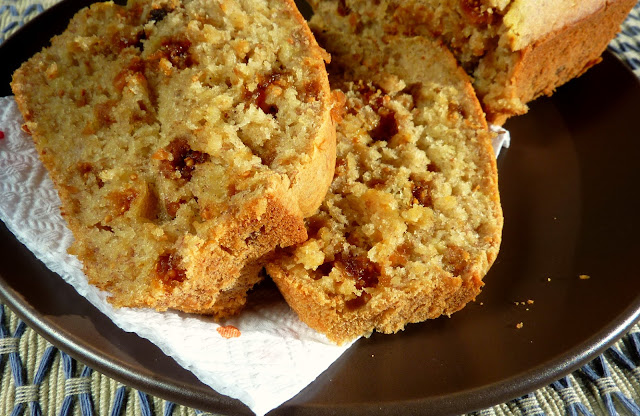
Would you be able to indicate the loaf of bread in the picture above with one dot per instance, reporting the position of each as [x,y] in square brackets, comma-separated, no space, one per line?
[186,138]
[515,50]
[412,221]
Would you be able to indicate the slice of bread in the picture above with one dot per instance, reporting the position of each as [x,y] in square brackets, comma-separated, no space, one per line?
[515,50]
[186,138]
[412,221]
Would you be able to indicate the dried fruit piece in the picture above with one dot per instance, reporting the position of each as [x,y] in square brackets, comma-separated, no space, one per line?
[168,270]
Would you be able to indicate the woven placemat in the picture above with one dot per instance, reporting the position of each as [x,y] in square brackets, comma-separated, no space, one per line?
[38,379]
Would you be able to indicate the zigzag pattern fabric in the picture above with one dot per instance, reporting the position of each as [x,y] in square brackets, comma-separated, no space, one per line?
[15,13]
[627,44]
[38,379]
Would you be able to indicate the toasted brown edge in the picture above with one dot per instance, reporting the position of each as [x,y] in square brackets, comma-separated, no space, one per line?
[311,182]
[558,57]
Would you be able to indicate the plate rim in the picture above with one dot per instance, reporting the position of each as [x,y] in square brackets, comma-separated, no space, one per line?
[486,396]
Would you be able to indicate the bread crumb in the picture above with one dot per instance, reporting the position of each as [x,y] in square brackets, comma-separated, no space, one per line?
[228,331]
[584,277]
[523,303]
[519,325]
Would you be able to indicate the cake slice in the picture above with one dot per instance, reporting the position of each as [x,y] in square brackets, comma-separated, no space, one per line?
[412,221]
[515,50]
[186,138]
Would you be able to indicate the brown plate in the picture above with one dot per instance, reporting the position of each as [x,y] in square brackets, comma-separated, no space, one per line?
[569,186]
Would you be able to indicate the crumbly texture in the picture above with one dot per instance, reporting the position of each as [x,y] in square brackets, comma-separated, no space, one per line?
[467,27]
[412,221]
[507,80]
[515,50]
[186,139]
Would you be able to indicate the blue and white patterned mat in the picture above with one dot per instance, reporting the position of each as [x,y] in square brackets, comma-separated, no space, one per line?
[38,379]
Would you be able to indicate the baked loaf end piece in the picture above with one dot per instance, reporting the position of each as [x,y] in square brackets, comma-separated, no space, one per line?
[412,221]
[186,139]
[515,50]
[535,56]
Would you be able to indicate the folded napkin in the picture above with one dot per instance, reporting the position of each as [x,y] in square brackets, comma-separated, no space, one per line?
[275,355]
[501,140]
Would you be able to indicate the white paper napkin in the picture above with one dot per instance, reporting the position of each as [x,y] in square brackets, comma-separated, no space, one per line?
[274,357]
[503,139]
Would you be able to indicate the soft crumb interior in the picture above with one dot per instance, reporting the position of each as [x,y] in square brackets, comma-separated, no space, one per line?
[468,27]
[171,114]
[408,206]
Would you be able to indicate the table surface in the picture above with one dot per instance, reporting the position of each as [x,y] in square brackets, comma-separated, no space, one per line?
[37,378]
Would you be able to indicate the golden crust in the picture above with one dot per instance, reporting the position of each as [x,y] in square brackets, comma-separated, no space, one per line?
[415,306]
[312,179]
[235,269]
[528,21]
